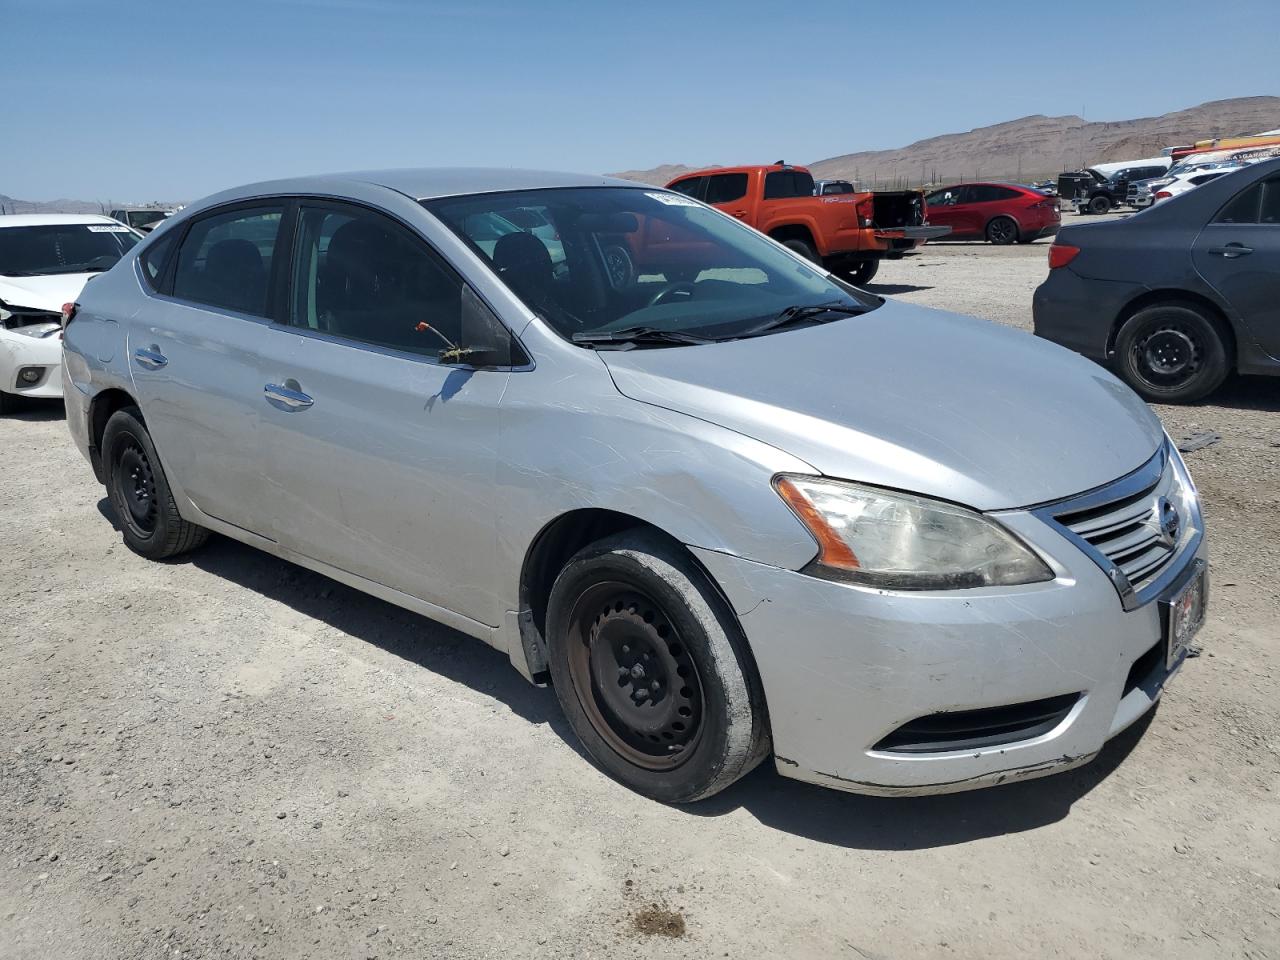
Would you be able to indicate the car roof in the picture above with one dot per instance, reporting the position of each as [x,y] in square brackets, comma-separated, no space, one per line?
[748,168]
[50,219]
[426,183]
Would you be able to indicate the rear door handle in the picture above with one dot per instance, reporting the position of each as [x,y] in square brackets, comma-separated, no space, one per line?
[287,395]
[1232,250]
[150,357]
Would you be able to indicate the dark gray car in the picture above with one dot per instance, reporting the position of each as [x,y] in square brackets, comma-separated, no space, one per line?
[1178,296]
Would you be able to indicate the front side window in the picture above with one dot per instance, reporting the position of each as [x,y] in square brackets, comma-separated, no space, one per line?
[690,187]
[362,276]
[225,259]
[45,249]
[726,187]
[651,260]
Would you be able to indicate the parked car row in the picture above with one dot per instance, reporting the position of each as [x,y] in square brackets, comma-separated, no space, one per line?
[731,506]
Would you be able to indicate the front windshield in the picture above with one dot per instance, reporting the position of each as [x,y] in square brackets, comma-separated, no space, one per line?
[62,248]
[599,260]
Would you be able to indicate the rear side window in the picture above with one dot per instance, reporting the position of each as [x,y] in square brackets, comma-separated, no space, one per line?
[362,276]
[225,259]
[987,193]
[726,187]
[1258,203]
[692,187]
[783,184]
[155,257]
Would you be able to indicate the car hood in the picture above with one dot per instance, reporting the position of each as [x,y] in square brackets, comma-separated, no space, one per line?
[914,399]
[47,292]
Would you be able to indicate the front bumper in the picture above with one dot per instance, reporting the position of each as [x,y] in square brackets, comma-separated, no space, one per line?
[844,666]
[43,354]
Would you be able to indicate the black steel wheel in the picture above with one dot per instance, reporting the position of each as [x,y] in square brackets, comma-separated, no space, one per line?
[1172,352]
[1002,231]
[139,492]
[1100,204]
[652,670]
[644,692]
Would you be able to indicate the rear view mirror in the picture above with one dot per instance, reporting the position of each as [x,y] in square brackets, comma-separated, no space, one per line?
[609,223]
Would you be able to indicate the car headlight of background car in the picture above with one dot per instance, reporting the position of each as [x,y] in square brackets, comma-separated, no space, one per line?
[903,542]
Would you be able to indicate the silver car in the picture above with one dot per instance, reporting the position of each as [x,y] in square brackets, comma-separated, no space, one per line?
[728,505]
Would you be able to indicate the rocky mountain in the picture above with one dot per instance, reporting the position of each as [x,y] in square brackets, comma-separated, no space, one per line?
[1032,148]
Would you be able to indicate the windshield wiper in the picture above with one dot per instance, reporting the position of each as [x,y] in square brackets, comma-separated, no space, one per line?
[636,335]
[799,313]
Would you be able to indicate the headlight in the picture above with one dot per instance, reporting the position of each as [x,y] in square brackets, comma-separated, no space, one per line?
[902,542]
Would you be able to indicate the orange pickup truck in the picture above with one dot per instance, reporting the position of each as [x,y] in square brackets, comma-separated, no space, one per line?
[848,233]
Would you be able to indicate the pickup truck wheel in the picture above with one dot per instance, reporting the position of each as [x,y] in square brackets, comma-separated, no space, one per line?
[140,494]
[862,273]
[1002,231]
[1172,353]
[802,248]
[1100,204]
[652,671]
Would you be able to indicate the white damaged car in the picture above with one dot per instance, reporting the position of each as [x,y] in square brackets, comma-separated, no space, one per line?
[45,260]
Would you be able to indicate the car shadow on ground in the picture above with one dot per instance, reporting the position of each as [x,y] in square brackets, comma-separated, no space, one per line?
[1247,393]
[890,289]
[915,823]
[38,411]
[828,816]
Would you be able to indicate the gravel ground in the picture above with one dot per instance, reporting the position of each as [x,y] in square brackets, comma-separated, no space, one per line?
[229,756]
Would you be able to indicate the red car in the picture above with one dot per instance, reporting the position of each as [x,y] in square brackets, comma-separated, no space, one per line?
[997,212]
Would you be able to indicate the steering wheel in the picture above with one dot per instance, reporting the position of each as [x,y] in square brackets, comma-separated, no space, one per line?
[671,289]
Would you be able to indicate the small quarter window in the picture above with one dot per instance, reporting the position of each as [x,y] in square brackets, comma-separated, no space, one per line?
[155,257]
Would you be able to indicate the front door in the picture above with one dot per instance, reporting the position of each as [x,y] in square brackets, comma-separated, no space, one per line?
[381,458]
[193,354]
[1238,254]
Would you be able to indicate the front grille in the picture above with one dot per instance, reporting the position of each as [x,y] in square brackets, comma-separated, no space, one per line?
[975,729]
[1120,526]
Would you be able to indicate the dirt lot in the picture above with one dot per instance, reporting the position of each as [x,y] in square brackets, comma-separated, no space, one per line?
[231,757]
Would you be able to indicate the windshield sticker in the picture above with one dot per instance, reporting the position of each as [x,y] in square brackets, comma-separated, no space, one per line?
[108,228]
[673,199]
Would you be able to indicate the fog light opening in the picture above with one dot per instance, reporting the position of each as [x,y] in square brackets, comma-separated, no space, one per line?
[30,374]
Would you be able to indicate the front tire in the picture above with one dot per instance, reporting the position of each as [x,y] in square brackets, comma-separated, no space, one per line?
[140,494]
[1100,205]
[8,403]
[1172,352]
[652,671]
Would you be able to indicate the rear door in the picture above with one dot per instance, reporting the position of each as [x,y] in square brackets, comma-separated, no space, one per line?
[1238,254]
[382,458]
[194,357]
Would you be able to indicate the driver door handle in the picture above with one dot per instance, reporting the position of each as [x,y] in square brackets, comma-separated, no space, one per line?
[150,357]
[287,396]
[1231,250]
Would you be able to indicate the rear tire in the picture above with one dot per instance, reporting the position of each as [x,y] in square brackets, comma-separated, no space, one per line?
[863,272]
[1100,205]
[1002,231]
[652,670]
[139,492]
[802,248]
[1172,352]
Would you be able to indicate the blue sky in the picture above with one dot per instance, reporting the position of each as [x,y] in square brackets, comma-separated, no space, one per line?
[143,99]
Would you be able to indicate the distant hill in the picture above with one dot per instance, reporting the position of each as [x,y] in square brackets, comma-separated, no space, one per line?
[1031,148]
[12,205]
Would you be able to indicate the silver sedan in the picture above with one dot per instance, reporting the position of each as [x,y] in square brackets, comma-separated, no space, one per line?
[728,505]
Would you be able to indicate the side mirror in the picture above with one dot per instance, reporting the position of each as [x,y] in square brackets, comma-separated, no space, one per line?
[484,341]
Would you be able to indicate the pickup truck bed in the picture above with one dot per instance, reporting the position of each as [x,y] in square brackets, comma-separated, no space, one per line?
[848,233]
